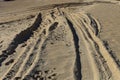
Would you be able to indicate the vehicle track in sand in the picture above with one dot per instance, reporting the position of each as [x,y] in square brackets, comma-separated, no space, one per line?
[78,31]
[96,49]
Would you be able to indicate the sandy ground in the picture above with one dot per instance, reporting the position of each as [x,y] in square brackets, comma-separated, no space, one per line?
[60,40]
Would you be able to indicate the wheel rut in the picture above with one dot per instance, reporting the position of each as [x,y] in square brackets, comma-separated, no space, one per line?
[57,35]
[20,38]
[77,70]
[84,23]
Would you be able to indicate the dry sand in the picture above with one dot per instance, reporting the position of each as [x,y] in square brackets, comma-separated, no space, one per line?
[60,40]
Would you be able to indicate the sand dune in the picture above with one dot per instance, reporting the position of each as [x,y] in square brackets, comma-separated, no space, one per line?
[59,41]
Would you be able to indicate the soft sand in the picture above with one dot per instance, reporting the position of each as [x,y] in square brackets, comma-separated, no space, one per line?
[73,40]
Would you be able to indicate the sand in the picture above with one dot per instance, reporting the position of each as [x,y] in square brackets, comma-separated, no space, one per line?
[59,40]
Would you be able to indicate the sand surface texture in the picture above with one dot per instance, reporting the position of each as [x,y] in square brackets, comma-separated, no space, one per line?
[60,40]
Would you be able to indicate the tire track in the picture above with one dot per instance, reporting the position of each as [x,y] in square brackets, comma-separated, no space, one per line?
[102,74]
[95,77]
[83,27]
[89,29]
[77,70]
[35,72]
[11,73]
[109,61]
[42,38]
[32,62]
[19,39]
[29,58]
[31,55]
[100,50]
[26,52]
[76,38]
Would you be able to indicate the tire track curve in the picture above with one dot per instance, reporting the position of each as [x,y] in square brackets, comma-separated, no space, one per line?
[92,60]
[104,62]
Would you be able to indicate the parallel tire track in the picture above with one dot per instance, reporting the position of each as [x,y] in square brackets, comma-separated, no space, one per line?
[31,55]
[95,77]
[82,26]
[105,61]
[23,37]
